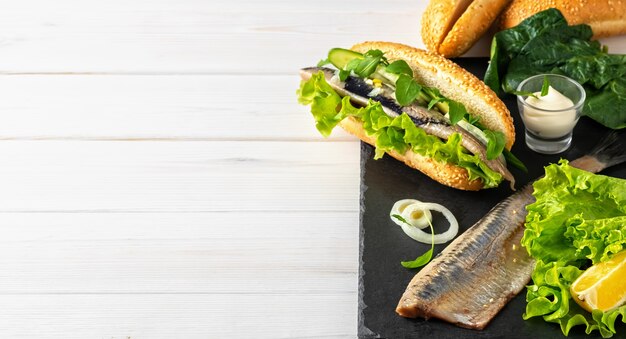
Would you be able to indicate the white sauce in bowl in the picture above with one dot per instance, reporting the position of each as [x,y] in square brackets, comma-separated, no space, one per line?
[548,116]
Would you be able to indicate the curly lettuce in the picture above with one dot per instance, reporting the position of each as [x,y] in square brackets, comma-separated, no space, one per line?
[392,134]
[578,219]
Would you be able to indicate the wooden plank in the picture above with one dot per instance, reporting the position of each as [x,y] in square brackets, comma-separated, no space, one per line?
[178,316]
[178,176]
[107,107]
[191,36]
[165,253]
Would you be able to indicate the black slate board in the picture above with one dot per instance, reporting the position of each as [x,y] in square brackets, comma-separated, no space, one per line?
[382,279]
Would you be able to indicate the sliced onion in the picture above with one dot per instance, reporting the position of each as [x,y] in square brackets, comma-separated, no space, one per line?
[399,207]
[417,234]
[407,209]
[375,91]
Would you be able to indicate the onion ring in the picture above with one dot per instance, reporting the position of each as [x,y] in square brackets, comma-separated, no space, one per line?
[416,233]
[421,220]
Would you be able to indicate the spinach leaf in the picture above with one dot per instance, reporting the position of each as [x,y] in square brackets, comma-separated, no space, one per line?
[545,43]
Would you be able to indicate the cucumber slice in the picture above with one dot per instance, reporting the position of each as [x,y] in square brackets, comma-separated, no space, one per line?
[340,57]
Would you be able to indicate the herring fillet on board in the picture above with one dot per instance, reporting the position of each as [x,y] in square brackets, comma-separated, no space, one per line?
[485,267]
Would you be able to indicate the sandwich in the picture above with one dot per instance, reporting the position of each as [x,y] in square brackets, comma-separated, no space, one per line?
[417,107]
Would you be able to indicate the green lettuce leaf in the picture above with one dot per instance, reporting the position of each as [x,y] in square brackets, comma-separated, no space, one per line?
[392,134]
[578,219]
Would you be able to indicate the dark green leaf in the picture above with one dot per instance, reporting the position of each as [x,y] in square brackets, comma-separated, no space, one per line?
[376,53]
[513,160]
[367,66]
[406,90]
[496,143]
[419,261]
[524,93]
[400,67]
[399,217]
[545,43]
[474,121]
[434,96]
[456,111]
[352,64]
[613,95]
[424,258]
[343,75]
[433,102]
[545,87]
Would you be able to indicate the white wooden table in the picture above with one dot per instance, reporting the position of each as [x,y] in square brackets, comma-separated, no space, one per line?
[159,180]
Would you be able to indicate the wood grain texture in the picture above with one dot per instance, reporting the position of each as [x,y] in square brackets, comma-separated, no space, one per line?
[171,107]
[178,316]
[190,36]
[70,176]
[232,253]
[158,179]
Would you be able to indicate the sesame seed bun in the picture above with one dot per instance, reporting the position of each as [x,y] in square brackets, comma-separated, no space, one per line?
[606,17]
[452,27]
[453,82]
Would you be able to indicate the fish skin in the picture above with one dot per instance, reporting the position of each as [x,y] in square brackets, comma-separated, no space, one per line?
[478,273]
[433,122]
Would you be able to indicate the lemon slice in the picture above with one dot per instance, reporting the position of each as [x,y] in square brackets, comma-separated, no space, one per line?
[603,285]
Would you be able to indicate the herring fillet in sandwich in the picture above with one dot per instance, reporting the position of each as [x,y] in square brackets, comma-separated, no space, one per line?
[416,106]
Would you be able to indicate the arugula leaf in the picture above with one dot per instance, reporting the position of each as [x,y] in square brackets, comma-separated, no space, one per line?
[376,53]
[400,67]
[406,90]
[545,43]
[367,66]
[513,160]
[419,261]
[545,87]
[424,258]
[496,143]
[456,111]
[524,94]
[433,102]
[401,218]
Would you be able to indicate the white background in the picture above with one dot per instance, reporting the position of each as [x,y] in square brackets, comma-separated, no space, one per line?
[159,180]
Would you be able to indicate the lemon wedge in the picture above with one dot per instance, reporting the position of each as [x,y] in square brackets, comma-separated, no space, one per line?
[603,285]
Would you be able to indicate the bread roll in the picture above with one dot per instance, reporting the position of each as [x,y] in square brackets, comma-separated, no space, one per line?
[606,17]
[444,173]
[455,83]
[451,27]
